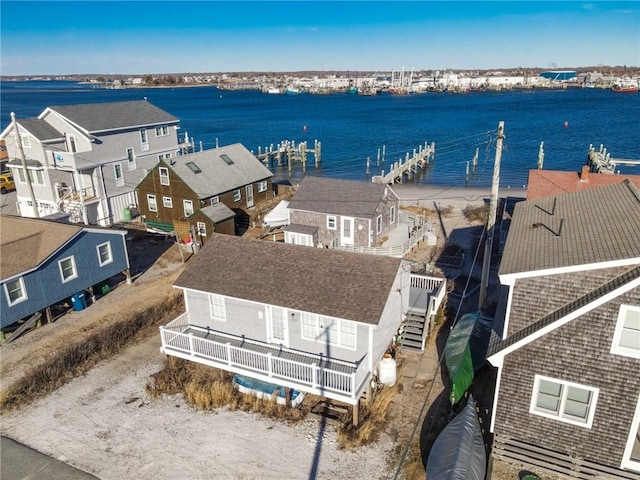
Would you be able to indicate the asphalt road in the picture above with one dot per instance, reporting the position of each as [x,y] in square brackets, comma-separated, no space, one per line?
[8,204]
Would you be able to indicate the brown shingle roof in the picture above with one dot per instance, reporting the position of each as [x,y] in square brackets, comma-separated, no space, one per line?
[338,197]
[590,226]
[27,242]
[328,282]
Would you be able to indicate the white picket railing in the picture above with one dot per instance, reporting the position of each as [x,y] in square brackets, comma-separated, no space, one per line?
[309,371]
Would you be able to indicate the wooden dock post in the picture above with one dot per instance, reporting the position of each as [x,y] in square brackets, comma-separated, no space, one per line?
[541,156]
[475,159]
[378,160]
[303,155]
[466,176]
[384,149]
[368,162]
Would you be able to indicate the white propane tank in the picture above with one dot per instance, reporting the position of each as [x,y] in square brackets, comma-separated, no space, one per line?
[387,371]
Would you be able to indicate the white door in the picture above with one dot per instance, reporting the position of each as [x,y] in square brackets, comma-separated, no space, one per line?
[346,237]
[249,190]
[278,330]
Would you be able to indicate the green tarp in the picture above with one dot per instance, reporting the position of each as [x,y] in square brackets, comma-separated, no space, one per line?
[465,351]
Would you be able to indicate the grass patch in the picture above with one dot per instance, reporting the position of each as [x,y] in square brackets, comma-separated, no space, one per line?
[479,213]
[78,357]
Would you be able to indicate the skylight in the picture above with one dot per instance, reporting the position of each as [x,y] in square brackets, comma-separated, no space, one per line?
[194,168]
[226,159]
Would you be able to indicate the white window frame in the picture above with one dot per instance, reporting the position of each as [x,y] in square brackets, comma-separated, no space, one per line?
[378,224]
[144,139]
[332,222]
[561,415]
[36,176]
[152,202]
[167,202]
[215,200]
[23,291]
[110,254]
[162,131]
[627,462]
[26,141]
[237,195]
[164,175]
[74,273]
[119,179]
[217,307]
[392,215]
[313,329]
[164,156]
[623,330]
[186,208]
[21,176]
[72,143]
[284,340]
[262,186]
[131,158]
[201,228]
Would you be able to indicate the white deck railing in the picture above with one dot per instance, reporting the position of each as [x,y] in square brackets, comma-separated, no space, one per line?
[312,373]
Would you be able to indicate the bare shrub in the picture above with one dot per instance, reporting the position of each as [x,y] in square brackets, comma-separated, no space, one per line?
[476,213]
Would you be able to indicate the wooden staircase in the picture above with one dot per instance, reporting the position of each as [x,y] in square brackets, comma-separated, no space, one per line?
[412,333]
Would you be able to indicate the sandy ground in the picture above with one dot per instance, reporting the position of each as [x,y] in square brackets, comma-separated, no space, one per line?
[104,423]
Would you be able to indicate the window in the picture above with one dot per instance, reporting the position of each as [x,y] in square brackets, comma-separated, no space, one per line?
[117,172]
[15,291]
[21,176]
[164,175]
[26,141]
[162,131]
[67,269]
[331,222]
[378,224]
[564,401]
[151,203]
[626,338]
[278,326]
[392,215]
[143,138]
[328,330]
[216,307]
[237,196]
[73,148]
[188,208]
[104,253]
[164,156]
[348,334]
[215,200]
[36,177]
[202,229]
[262,186]
[167,202]
[131,158]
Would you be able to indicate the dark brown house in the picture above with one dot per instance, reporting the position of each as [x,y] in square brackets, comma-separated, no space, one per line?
[211,190]
[567,349]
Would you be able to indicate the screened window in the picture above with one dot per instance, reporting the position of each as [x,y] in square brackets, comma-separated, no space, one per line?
[216,307]
[237,195]
[331,222]
[104,253]
[118,174]
[626,338]
[152,203]
[188,207]
[131,159]
[15,291]
[262,186]
[164,175]
[564,401]
[67,269]
[167,202]
[162,131]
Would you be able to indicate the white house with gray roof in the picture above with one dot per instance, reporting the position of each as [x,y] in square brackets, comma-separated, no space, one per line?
[567,348]
[86,160]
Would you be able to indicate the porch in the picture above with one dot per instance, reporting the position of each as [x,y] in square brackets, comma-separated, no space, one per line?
[315,374]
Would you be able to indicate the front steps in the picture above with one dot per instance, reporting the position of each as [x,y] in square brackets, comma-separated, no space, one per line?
[412,333]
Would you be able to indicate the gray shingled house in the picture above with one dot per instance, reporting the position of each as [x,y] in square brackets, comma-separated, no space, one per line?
[210,189]
[567,349]
[86,160]
[311,319]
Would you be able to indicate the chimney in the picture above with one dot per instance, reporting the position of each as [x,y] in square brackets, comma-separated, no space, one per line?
[584,174]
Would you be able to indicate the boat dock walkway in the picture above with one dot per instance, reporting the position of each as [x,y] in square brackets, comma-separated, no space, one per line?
[600,161]
[408,168]
[287,152]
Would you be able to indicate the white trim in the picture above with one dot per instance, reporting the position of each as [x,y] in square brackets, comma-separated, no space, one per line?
[271,338]
[335,222]
[510,278]
[564,320]
[221,307]
[119,180]
[164,177]
[495,400]
[319,331]
[184,208]
[155,202]
[167,202]
[378,224]
[22,287]
[616,349]
[560,416]
[110,259]
[73,265]
[627,463]
[237,195]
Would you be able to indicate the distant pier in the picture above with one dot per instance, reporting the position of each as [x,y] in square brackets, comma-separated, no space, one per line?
[409,168]
[600,160]
[288,152]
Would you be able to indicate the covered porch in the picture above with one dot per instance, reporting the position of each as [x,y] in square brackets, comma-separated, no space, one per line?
[315,374]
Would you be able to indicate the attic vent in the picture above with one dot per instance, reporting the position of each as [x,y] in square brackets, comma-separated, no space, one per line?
[193,167]
[226,159]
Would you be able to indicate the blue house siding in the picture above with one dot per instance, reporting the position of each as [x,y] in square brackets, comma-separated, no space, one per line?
[44,286]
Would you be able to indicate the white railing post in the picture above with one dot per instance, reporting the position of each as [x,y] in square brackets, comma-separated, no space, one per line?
[353,385]
[191,348]
[228,345]
[314,375]
[269,364]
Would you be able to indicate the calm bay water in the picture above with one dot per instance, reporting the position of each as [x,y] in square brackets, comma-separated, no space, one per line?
[353,127]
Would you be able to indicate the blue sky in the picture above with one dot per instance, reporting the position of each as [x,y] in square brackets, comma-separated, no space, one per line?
[57,38]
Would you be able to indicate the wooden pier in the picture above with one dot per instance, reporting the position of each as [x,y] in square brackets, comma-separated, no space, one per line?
[600,161]
[288,152]
[409,168]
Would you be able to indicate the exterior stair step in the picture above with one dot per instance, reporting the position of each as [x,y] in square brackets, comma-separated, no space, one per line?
[417,330]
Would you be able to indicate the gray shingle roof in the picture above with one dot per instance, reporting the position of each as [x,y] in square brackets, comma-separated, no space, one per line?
[218,212]
[329,282]
[578,228]
[97,117]
[216,176]
[40,129]
[338,197]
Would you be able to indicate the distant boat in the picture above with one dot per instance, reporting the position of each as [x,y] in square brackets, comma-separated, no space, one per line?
[459,453]
[274,91]
[624,89]
[352,90]
[293,91]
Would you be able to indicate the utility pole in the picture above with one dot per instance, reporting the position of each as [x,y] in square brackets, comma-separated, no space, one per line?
[24,165]
[493,207]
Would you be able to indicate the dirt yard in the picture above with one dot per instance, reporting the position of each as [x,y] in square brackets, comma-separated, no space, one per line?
[104,422]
